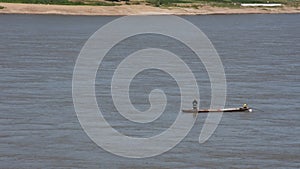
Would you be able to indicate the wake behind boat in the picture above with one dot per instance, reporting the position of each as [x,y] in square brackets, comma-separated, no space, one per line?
[195,109]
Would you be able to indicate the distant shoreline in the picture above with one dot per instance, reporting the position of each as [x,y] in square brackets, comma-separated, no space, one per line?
[17,8]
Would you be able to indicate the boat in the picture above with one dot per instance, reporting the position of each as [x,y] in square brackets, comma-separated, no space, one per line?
[195,109]
[240,109]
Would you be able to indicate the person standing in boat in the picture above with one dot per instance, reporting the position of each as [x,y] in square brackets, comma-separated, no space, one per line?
[245,106]
[195,104]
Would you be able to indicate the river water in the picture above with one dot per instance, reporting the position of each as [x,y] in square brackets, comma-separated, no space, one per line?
[38,123]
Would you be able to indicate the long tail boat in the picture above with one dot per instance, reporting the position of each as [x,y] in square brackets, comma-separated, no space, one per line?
[245,108]
[241,109]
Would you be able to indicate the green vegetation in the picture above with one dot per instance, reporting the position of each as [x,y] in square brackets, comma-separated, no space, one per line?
[168,2]
[1,7]
[62,2]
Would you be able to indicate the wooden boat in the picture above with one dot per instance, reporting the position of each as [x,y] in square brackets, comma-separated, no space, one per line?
[195,109]
[241,109]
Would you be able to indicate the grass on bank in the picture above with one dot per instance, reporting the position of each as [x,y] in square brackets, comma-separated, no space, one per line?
[62,2]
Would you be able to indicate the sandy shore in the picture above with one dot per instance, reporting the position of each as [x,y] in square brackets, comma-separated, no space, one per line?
[14,8]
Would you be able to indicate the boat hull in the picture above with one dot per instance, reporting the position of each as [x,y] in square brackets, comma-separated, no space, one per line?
[241,109]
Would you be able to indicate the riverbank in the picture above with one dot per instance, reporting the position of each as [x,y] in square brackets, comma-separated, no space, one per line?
[18,8]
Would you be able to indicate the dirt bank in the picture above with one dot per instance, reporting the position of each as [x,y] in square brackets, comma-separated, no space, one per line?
[15,8]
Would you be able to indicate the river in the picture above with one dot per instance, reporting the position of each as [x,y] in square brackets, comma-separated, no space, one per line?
[39,127]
